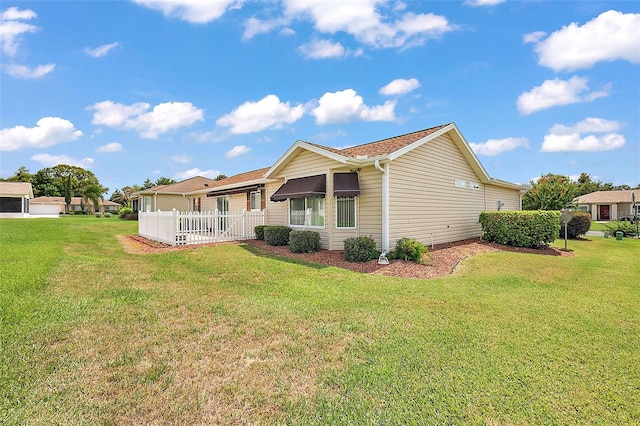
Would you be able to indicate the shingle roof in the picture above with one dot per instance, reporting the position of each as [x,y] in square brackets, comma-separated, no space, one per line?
[187,185]
[241,177]
[15,188]
[384,146]
[600,197]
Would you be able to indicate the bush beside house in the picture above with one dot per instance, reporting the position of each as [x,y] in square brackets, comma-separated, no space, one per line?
[535,229]
[304,241]
[277,235]
[579,224]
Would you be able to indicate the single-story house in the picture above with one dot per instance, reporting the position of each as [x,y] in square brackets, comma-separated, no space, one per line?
[174,196]
[14,199]
[428,185]
[51,206]
[609,205]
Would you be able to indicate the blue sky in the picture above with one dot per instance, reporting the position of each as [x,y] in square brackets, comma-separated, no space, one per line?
[141,89]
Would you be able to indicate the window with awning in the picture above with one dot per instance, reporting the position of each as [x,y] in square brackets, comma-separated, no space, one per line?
[346,185]
[305,187]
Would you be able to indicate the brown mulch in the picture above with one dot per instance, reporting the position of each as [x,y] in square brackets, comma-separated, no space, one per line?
[445,257]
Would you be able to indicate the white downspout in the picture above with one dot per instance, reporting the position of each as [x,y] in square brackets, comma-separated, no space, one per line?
[385,206]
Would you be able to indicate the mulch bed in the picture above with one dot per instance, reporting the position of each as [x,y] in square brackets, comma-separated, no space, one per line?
[445,257]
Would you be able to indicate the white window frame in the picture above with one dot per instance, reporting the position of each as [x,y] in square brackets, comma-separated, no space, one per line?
[255,204]
[308,212]
[146,203]
[355,212]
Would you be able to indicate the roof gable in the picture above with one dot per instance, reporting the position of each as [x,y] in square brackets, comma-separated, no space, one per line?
[187,185]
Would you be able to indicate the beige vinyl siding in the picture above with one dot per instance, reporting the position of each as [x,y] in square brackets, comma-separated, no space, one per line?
[424,202]
[237,202]
[208,203]
[275,213]
[509,197]
[166,202]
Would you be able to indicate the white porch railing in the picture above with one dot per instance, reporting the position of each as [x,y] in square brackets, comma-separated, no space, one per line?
[174,227]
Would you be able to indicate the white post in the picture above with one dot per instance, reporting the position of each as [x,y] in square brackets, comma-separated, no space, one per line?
[174,226]
[244,222]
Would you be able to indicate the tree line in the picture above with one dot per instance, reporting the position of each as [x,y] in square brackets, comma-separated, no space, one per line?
[557,192]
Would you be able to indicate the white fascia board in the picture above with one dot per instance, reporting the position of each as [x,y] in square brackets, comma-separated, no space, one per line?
[229,186]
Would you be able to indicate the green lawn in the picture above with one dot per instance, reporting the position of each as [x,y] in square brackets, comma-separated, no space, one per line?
[90,334]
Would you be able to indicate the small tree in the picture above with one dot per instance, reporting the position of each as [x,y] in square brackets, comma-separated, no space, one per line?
[550,192]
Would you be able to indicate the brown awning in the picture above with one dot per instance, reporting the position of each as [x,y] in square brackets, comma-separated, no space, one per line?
[235,190]
[306,187]
[346,185]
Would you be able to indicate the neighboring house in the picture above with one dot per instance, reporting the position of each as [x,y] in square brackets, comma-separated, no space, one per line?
[428,185]
[15,199]
[55,205]
[174,196]
[609,205]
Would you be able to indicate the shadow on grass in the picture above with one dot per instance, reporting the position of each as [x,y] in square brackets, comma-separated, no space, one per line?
[281,257]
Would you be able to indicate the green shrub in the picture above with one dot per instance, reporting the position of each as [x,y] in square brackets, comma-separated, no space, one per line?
[107,215]
[628,228]
[534,229]
[304,241]
[124,211]
[259,231]
[409,249]
[360,249]
[277,235]
[129,216]
[97,214]
[579,224]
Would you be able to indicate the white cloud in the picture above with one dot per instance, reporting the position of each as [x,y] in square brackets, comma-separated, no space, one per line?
[483,2]
[367,23]
[48,131]
[557,92]
[12,27]
[496,146]
[563,138]
[194,11]
[322,49]
[49,160]
[110,147]
[100,51]
[611,36]
[182,159]
[161,119]
[254,26]
[237,151]
[347,105]
[269,112]
[400,86]
[23,71]
[533,37]
[211,174]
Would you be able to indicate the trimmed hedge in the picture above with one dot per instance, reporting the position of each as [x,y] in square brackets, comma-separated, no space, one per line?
[304,241]
[259,231]
[360,249]
[409,249]
[277,235]
[579,224]
[534,229]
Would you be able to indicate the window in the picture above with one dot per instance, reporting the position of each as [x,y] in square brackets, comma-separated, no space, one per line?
[346,212]
[254,203]
[147,204]
[306,212]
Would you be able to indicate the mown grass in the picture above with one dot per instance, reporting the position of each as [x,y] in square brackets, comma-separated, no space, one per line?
[91,334]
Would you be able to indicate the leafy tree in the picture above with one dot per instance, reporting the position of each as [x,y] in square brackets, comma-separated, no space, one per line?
[67,193]
[118,197]
[550,192]
[164,181]
[147,184]
[220,177]
[44,184]
[51,181]
[21,175]
[93,193]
